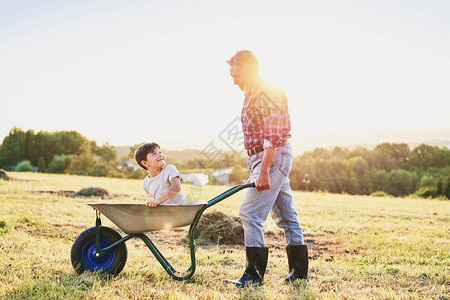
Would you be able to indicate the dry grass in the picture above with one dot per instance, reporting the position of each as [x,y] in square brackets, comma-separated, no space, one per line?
[360,247]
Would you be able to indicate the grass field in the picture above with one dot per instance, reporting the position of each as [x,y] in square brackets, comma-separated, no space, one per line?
[360,247]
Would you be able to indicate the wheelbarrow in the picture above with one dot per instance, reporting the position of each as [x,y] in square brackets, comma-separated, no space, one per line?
[103,249]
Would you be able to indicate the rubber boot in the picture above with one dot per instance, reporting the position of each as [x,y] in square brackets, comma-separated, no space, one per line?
[298,262]
[256,266]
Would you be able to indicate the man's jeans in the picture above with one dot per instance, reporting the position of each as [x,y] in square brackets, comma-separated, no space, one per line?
[255,206]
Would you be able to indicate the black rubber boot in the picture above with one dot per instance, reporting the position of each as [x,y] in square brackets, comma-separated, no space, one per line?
[298,262]
[256,266]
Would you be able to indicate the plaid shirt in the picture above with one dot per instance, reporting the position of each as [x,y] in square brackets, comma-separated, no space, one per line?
[265,116]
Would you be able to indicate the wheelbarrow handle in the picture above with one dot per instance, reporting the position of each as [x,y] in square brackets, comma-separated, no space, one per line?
[228,193]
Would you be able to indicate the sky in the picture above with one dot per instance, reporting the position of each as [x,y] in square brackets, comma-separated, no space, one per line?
[126,72]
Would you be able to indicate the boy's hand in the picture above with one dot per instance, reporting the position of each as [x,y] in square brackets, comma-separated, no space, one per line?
[152,203]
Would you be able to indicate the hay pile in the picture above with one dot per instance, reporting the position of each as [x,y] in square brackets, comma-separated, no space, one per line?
[3,175]
[91,192]
[219,228]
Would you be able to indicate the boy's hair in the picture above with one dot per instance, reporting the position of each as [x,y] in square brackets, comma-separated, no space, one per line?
[142,151]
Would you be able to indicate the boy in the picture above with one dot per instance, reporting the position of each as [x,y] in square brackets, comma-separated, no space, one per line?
[163,182]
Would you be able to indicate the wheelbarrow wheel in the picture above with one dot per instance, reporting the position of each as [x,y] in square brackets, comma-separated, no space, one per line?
[83,252]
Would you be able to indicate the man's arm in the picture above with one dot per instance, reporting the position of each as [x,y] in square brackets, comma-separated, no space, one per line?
[263,181]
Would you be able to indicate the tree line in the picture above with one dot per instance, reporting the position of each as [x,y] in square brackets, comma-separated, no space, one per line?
[389,168]
[392,169]
[59,152]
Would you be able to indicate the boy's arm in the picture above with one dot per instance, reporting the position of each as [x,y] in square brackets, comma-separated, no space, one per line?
[175,187]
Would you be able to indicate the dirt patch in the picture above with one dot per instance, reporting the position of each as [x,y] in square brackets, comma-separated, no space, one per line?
[90,192]
[58,193]
[328,247]
[66,193]
[166,238]
[319,247]
[61,231]
[219,228]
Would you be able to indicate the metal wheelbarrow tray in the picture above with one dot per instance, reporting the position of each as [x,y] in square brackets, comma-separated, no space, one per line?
[103,249]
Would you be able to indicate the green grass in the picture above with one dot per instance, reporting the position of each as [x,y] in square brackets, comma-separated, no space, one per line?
[361,247]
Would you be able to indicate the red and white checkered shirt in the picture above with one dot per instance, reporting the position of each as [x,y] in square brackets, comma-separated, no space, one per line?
[265,117]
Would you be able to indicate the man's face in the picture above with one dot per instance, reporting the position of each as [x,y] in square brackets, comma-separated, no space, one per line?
[240,77]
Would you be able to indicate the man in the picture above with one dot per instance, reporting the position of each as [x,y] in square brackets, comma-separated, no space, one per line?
[266,127]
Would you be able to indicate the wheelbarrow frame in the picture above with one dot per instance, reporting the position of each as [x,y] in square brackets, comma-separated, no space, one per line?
[159,256]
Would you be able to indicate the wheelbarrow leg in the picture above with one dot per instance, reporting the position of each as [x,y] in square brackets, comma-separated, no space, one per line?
[159,256]
[98,223]
[164,262]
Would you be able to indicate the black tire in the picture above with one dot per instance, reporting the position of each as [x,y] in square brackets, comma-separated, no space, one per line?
[83,249]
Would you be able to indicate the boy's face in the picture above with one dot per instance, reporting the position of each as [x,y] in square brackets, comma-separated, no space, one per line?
[154,160]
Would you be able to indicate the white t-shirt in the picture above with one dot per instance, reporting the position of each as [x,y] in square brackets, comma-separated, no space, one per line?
[159,184]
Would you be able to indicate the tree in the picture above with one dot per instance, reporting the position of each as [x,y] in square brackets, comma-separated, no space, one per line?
[133,149]
[237,175]
[426,181]
[69,142]
[422,156]
[30,154]
[400,183]
[447,187]
[339,153]
[41,146]
[12,150]
[321,153]
[380,160]
[24,166]
[441,157]
[106,152]
[352,185]
[41,165]
[358,165]
[229,158]
[360,151]
[81,164]
[399,153]
[380,180]
[415,181]
[59,164]
[439,185]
